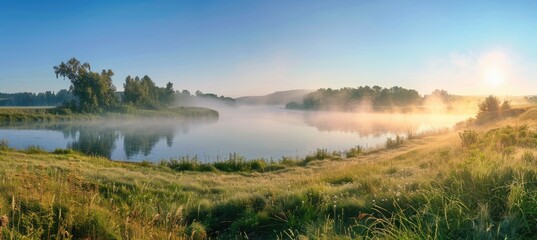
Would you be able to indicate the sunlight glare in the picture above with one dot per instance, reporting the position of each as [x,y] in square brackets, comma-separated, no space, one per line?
[494,77]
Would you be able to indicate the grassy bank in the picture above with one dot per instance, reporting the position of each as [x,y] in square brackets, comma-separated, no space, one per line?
[9,115]
[481,184]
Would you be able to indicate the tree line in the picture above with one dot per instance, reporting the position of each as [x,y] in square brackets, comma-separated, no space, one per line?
[186,98]
[48,98]
[95,92]
[375,97]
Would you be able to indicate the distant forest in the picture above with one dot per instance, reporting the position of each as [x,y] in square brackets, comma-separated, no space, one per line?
[51,98]
[366,98]
[186,98]
[47,98]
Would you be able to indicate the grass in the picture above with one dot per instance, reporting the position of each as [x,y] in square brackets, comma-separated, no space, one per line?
[432,187]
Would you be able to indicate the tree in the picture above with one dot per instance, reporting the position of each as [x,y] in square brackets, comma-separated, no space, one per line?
[185,92]
[491,109]
[144,93]
[506,105]
[93,91]
[168,96]
[490,104]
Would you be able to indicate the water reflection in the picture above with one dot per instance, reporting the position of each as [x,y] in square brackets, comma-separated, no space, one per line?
[140,141]
[91,140]
[254,132]
[139,137]
[373,124]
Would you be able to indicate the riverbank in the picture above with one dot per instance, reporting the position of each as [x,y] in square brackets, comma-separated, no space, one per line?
[10,115]
[443,186]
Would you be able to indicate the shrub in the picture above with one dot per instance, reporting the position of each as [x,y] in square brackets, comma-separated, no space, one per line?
[355,151]
[93,226]
[490,104]
[468,138]
[394,143]
[196,231]
[4,144]
[340,180]
[321,154]
[235,163]
[288,161]
[63,151]
[34,150]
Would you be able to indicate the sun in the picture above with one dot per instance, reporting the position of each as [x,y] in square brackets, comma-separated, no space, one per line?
[494,77]
[494,67]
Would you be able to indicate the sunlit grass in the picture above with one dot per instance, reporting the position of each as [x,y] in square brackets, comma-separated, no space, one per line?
[440,186]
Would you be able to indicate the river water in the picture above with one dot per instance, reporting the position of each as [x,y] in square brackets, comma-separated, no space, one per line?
[268,132]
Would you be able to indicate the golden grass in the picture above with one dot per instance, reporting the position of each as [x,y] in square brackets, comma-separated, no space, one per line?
[74,196]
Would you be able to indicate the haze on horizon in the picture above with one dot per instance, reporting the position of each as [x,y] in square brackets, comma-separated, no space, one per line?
[238,48]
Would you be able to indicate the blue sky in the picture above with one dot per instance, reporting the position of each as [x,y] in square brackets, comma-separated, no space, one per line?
[241,48]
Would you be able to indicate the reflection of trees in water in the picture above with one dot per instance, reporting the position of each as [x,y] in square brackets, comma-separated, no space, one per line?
[99,138]
[138,138]
[93,141]
[363,124]
[143,140]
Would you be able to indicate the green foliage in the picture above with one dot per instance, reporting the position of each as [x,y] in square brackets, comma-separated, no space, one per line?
[4,144]
[47,98]
[235,163]
[61,151]
[34,150]
[144,93]
[521,136]
[354,98]
[340,180]
[93,90]
[468,138]
[213,96]
[30,218]
[355,151]
[94,226]
[196,231]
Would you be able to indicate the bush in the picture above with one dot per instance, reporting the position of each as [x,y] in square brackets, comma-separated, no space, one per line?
[63,151]
[235,163]
[34,150]
[93,226]
[468,138]
[394,143]
[196,231]
[355,151]
[4,144]
[321,154]
[340,180]
[490,104]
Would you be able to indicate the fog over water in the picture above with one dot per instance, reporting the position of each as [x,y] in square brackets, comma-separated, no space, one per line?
[252,131]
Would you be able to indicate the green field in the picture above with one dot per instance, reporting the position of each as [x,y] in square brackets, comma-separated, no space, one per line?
[478,183]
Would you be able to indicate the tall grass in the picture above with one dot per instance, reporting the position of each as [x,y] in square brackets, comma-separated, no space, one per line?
[437,190]
[395,142]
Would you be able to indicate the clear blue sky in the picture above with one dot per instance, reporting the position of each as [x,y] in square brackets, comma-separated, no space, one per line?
[240,48]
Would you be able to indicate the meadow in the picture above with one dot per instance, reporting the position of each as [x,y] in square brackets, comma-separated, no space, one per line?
[476,182]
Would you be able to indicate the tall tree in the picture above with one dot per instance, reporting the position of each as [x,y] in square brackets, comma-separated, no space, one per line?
[93,90]
[144,93]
